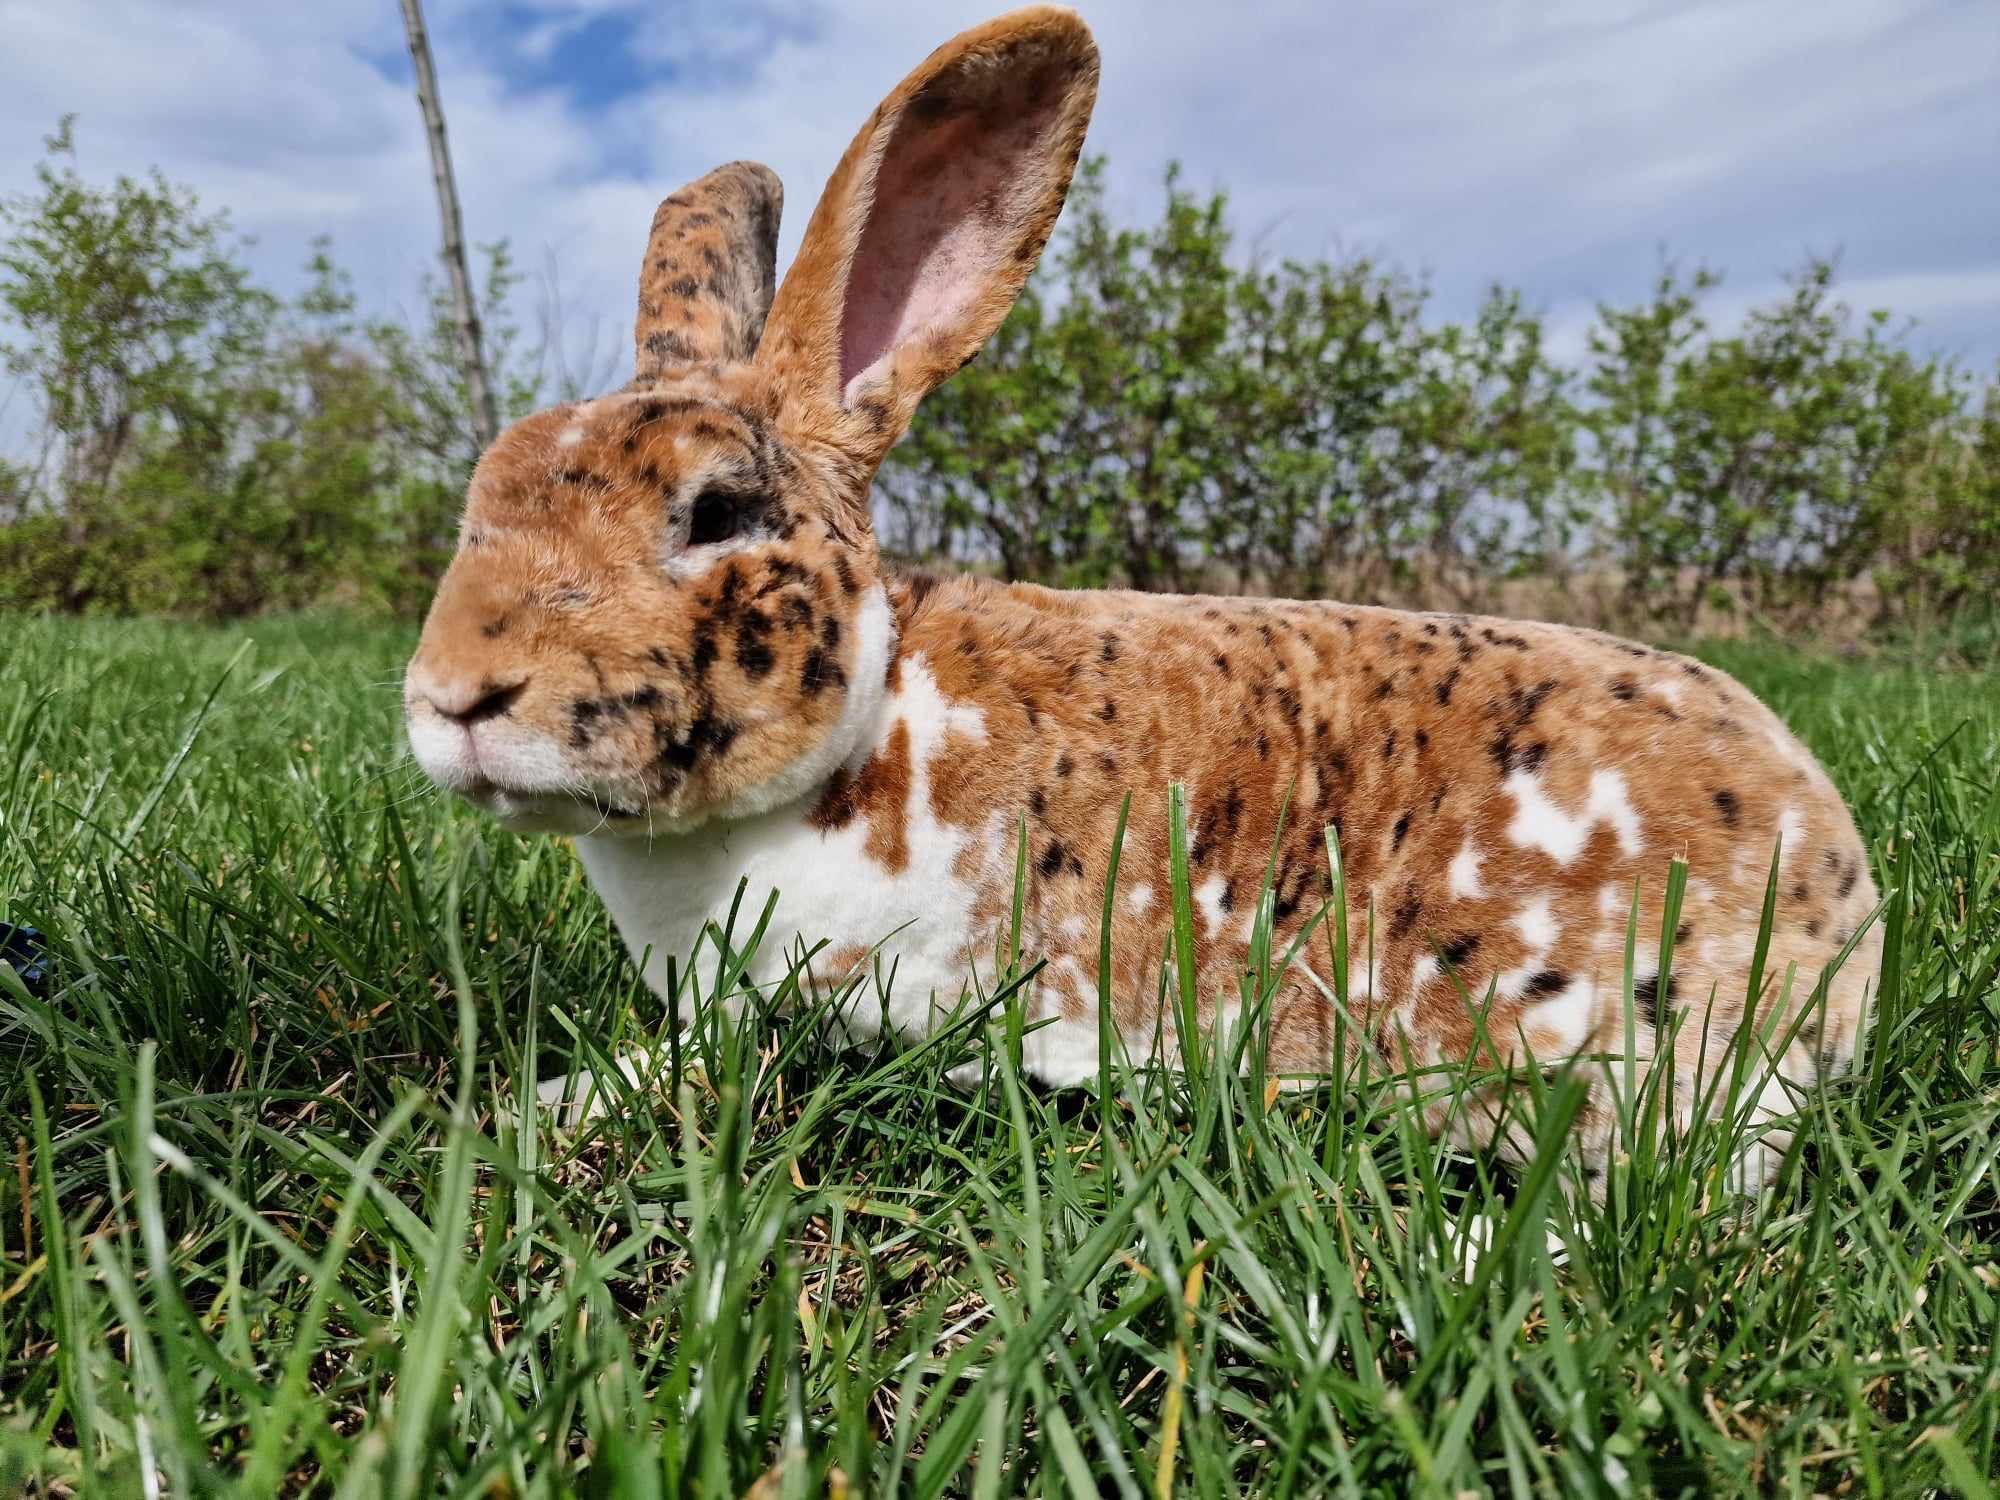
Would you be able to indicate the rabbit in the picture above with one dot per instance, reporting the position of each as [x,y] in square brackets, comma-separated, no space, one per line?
[668,633]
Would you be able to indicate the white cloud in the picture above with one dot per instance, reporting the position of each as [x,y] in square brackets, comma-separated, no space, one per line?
[1550,147]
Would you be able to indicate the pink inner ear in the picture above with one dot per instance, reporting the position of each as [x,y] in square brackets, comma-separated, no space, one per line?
[955,182]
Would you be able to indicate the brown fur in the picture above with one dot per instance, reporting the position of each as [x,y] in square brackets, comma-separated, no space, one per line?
[709,271]
[681,678]
[1399,731]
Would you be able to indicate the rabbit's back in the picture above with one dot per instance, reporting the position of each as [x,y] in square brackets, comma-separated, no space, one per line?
[1499,791]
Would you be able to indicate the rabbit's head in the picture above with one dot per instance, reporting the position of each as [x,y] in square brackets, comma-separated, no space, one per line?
[667,603]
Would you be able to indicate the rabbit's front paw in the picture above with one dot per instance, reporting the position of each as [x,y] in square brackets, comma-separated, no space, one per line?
[967,1076]
[575,1099]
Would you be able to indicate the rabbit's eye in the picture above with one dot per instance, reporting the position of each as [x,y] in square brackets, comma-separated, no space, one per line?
[717,518]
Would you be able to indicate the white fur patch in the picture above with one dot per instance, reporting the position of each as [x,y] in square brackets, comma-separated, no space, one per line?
[1792,833]
[1541,823]
[1611,801]
[1061,1051]
[1465,881]
[1208,896]
[1140,899]
[1536,922]
[681,563]
[662,891]
[1560,1025]
[1422,973]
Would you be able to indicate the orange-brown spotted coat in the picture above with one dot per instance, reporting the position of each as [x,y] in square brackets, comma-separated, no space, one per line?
[668,632]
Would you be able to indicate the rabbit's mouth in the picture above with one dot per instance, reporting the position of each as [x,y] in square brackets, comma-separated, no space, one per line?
[532,810]
[516,773]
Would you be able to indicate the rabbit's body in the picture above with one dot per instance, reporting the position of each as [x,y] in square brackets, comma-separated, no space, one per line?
[668,631]
[1499,789]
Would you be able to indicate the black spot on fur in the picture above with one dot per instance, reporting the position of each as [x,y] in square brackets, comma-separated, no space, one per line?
[1445,685]
[707,735]
[1108,712]
[703,654]
[1108,650]
[1053,858]
[819,672]
[1402,832]
[1548,982]
[753,656]
[665,345]
[1624,689]
[1646,998]
[1727,804]
[1064,765]
[1408,909]
[1848,879]
[1459,949]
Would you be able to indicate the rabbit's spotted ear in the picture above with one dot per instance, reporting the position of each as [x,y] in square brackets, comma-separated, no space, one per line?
[707,279]
[931,222]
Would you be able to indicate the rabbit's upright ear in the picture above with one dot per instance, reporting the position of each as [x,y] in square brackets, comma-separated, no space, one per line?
[706,282]
[930,224]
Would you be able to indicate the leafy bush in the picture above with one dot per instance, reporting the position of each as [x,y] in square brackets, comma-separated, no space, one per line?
[1766,469]
[1153,415]
[206,448]
[1157,412]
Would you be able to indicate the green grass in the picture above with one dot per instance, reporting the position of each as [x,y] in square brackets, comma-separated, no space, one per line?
[282,1235]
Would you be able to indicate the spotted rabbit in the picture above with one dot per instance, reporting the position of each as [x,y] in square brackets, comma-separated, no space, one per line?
[668,632]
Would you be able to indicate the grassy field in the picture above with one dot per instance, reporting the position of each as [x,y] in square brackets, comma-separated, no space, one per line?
[271,1225]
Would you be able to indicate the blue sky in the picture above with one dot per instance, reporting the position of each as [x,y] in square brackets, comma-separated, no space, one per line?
[1559,147]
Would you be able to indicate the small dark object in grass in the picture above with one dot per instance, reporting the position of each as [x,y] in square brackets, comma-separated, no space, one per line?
[22,948]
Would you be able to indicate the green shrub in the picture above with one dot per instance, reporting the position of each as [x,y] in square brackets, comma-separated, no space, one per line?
[1158,412]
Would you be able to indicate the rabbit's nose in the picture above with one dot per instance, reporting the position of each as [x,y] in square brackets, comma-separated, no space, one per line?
[470,703]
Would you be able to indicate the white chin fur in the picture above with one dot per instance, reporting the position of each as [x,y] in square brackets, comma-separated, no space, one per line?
[516,776]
